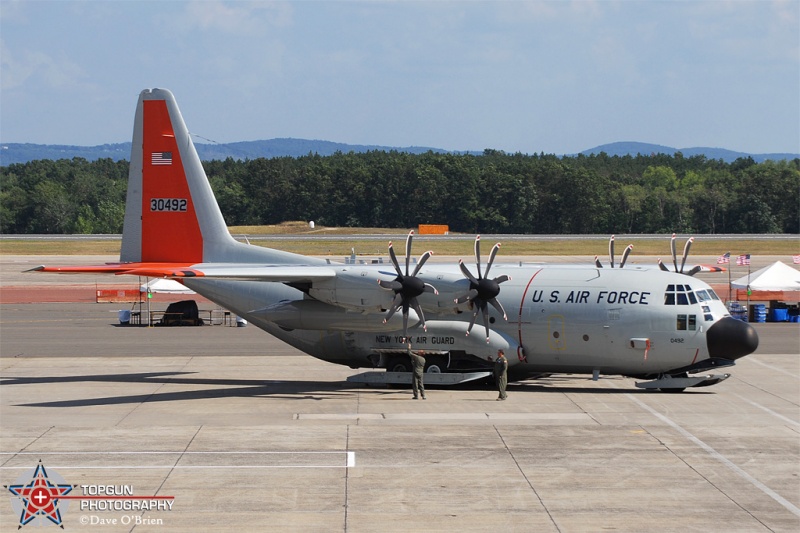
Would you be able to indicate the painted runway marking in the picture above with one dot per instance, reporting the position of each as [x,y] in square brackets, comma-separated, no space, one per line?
[775,368]
[770,411]
[349,460]
[719,457]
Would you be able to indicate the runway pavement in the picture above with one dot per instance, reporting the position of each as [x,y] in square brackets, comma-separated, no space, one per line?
[233,430]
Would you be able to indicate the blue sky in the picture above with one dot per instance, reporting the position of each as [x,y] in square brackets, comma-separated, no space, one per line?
[553,76]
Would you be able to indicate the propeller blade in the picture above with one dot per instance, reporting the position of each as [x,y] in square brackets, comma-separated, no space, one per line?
[597,262]
[486,320]
[393,285]
[424,257]
[492,255]
[430,288]
[662,266]
[418,310]
[466,272]
[611,250]
[478,255]
[398,298]
[408,249]
[472,322]
[467,297]
[625,255]
[686,252]
[497,305]
[501,279]
[393,257]
[694,270]
[674,254]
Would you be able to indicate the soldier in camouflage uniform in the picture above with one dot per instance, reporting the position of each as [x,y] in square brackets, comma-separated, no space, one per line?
[418,366]
[500,374]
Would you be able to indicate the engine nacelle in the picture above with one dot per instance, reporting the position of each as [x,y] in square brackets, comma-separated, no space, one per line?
[320,316]
[356,288]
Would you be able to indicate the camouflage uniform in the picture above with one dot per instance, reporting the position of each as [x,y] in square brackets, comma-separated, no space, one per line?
[500,375]
[418,364]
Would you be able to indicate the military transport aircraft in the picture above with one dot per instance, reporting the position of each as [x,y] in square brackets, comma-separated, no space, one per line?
[644,322]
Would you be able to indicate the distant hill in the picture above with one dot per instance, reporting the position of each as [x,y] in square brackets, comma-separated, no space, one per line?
[24,152]
[634,148]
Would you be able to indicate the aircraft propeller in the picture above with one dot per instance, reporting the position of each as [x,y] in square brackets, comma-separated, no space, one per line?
[482,290]
[625,255]
[686,247]
[407,286]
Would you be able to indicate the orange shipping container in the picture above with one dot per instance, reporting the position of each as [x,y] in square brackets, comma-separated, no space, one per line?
[434,229]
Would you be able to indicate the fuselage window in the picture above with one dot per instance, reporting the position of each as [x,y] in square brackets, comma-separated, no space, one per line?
[687,322]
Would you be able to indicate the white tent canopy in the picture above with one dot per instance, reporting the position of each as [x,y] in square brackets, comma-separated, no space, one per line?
[167,286]
[776,277]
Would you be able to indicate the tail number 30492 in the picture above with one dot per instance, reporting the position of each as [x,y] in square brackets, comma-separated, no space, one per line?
[168,204]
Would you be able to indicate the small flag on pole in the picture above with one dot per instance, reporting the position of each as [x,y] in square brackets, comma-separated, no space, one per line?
[724,259]
[796,259]
[743,260]
[161,158]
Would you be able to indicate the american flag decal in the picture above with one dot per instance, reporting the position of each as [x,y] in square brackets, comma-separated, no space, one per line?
[161,158]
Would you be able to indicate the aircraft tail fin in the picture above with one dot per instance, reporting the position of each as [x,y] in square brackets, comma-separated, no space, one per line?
[171,214]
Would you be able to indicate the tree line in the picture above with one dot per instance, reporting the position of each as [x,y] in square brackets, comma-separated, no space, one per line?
[494,192]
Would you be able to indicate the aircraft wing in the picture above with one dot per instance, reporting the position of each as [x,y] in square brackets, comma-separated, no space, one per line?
[230,271]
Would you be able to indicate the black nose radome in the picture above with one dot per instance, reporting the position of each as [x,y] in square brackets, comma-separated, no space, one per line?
[731,339]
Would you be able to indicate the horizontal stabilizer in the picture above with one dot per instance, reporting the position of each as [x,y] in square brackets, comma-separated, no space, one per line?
[232,271]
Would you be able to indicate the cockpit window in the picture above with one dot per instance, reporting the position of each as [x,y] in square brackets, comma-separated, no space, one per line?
[702,295]
[682,295]
[713,294]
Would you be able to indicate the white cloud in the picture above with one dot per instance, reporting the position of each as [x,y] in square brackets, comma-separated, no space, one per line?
[236,18]
[20,67]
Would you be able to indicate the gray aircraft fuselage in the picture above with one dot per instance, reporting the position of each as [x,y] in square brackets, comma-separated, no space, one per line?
[575,319]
